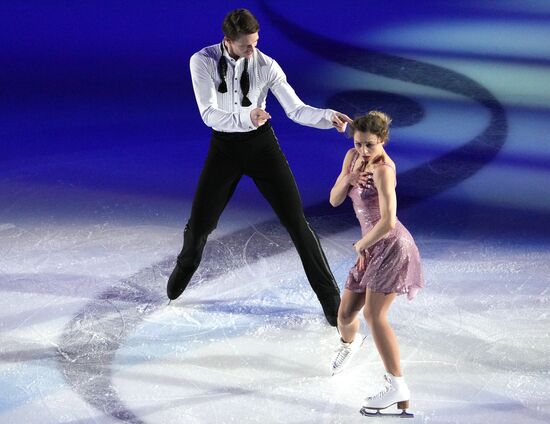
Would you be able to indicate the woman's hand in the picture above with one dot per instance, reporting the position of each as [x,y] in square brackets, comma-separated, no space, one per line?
[359,178]
[361,262]
[361,256]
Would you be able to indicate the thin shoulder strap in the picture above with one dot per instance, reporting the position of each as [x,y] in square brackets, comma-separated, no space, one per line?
[394,170]
[355,156]
[387,164]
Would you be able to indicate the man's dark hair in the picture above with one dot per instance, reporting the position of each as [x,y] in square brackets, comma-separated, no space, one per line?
[239,22]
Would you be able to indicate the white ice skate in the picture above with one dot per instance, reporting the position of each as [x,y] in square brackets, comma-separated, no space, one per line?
[345,352]
[395,392]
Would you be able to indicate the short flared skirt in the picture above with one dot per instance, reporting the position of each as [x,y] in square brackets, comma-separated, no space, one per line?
[392,266]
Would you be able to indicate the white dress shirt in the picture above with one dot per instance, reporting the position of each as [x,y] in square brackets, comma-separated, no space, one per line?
[223,111]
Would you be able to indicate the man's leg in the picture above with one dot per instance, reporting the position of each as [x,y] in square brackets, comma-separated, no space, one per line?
[274,179]
[216,185]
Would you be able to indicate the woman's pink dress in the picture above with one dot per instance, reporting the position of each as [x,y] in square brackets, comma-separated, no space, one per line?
[393,262]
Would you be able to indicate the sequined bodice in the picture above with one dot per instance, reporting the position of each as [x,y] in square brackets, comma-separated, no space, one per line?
[365,201]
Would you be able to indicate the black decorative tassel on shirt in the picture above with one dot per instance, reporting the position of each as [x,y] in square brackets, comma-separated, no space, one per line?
[222,69]
[245,79]
[245,85]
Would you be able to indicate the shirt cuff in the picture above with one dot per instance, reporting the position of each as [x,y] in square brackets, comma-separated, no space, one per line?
[245,119]
[328,115]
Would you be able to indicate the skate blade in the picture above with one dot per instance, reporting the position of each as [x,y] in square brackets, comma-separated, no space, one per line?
[170,301]
[336,372]
[376,413]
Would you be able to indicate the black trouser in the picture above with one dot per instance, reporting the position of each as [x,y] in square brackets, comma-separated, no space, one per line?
[258,155]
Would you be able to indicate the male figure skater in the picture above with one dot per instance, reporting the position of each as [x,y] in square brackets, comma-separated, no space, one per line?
[230,81]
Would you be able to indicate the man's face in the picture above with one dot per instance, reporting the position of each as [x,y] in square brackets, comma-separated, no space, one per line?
[243,46]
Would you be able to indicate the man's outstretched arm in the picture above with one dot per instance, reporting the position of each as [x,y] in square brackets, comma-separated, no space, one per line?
[297,110]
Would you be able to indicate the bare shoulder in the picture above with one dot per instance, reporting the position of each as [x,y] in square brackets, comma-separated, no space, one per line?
[384,172]
[348,158]
[386,166]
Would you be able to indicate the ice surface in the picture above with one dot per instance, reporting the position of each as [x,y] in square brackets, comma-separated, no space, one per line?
[247,341]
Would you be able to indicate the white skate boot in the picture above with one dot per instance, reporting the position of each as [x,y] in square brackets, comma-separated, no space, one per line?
[345,352]
[395,392]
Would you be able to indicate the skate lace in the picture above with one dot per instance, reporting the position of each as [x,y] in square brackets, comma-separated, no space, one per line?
[343,353]
[385,390]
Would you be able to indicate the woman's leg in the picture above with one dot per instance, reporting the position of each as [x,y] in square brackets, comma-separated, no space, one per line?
[348,322]
[376,310]
[348,325]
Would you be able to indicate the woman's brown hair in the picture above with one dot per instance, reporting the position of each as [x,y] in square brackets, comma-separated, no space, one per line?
[374,122]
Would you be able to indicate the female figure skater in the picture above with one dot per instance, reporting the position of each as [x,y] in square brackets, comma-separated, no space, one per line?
[388,262]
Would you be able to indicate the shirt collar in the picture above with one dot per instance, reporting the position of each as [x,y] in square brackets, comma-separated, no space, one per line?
[233,61]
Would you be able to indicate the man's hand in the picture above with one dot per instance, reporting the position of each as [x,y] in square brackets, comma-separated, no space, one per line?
[259,117]
[340,121]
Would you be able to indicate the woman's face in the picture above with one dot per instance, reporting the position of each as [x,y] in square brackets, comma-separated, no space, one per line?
[367,144]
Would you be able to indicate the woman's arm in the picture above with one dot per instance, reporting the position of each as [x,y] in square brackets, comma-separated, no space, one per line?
[341,186]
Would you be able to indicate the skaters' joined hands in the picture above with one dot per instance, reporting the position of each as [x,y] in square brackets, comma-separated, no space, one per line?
[259,117]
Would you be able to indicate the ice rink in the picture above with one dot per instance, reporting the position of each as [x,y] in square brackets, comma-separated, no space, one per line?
[87,336]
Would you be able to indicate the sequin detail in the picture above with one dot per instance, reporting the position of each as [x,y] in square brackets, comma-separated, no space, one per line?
[393,263]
